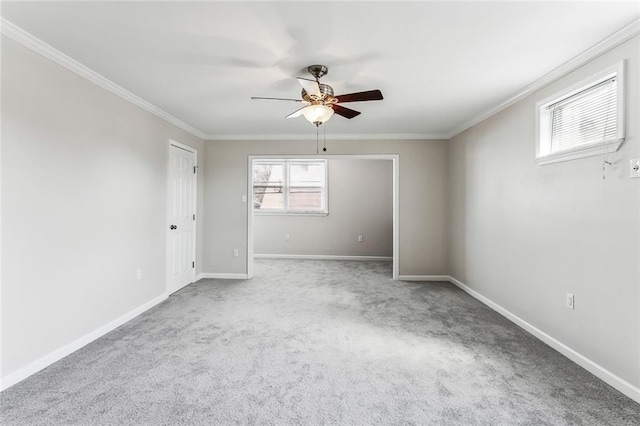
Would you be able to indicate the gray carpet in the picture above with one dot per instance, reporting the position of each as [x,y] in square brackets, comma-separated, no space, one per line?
[317,342]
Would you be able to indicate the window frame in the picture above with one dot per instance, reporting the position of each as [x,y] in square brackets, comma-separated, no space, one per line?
[544,154]
[286,185]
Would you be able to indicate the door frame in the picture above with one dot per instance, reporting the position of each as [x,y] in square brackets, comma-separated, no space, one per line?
[395,158]
[167,213]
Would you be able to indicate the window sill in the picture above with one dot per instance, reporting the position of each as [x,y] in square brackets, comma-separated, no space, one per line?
[580,152]
[264,213]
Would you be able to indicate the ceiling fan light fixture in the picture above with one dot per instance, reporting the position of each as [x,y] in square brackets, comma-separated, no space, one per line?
[323,102]
[317,114]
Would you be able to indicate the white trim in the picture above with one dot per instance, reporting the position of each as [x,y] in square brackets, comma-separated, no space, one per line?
[322,257]
[223,276]
[65,350]
[26,39]
[250,213]
[197,278]
[580,152]
[183,146]
[395,158]
[444,278]
[396,216]
[312,136]
[291,213]
[588,55]
[597,370]
[326,156]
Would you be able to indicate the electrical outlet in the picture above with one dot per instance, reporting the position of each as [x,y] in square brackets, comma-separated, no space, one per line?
[286,237]
[139,274]
[634,167]
[571,301]
[235,252]
[360,238]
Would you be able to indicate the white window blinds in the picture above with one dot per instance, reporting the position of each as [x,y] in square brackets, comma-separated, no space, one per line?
[584,118]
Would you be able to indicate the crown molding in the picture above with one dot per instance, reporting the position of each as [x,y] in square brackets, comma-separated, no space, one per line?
[28,40]
[339,136]
[614,40]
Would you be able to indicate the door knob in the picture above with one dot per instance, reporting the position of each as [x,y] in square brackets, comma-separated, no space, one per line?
[173,227]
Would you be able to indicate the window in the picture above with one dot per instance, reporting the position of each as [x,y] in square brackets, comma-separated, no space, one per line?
[290,186]
[583,120]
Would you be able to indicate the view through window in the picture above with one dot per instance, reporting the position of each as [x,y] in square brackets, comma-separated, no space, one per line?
[290,186]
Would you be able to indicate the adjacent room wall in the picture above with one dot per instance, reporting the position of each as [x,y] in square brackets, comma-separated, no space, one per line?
[360,203]
[422,215]
[524,235]
[84,180]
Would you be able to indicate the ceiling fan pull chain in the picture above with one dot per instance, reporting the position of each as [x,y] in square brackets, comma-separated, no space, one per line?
[325,139]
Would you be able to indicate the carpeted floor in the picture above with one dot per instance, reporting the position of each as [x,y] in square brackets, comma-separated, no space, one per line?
[317,342]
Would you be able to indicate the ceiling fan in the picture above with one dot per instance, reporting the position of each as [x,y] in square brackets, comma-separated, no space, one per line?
[322,103]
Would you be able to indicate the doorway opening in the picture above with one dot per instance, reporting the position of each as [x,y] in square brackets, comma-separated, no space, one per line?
[279,201]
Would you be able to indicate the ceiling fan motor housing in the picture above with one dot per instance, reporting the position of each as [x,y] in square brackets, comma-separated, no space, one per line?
[326,93]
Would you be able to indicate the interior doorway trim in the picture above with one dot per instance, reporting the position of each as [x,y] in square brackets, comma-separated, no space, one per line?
[194,151]
[395,158]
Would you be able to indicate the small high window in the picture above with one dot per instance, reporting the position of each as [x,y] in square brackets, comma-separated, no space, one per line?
[290,186]
[583,120]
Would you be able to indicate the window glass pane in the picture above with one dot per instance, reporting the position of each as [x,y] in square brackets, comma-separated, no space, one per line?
[270,200]
[306,175]
[305,198]
[268,186]
[305,186]
[587,117]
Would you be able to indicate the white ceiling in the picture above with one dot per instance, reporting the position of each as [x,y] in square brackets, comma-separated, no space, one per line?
[438,64]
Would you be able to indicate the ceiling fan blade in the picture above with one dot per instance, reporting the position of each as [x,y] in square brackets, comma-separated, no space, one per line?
[370,95]
[345,112]
[310,86]
[278,99]
[296,113]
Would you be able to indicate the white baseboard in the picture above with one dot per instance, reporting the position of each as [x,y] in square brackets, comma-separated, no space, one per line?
[322,257]
[62,352]
[444,278]
[597,370]
[198,278]
[223,276]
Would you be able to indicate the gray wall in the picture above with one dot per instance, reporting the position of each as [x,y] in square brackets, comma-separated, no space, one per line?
[360,203]
[423,218]
[84,178]
[524,235]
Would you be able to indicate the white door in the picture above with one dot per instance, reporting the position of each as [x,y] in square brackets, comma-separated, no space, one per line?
[181,217]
